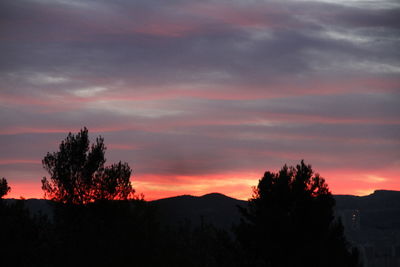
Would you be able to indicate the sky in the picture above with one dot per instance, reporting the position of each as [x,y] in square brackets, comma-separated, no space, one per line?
[204,96]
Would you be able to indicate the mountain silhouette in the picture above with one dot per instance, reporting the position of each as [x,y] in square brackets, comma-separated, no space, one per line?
[214,208]
[372,222]
[380,209]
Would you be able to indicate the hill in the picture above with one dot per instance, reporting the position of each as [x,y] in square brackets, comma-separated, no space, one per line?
[372,222]
[380,210]
[214,208]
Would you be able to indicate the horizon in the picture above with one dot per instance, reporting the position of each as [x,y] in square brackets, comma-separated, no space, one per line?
[204,96]
[211,193]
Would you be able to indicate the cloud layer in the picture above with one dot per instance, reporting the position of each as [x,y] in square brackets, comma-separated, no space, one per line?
[204,96]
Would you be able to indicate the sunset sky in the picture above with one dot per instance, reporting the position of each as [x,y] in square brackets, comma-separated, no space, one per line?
[204,96]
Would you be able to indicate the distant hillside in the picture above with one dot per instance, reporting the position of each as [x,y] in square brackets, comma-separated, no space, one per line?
[379,210]
[36,206]
[214,208]
[377,200]
[372,222]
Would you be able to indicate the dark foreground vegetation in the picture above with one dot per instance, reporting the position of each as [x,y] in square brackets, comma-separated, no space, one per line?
[97,221]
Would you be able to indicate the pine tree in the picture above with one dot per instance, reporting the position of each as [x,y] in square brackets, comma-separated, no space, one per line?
[78,175]
[290,221]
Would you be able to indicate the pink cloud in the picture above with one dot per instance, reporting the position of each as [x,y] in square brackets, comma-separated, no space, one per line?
[39,129]
[257,15]
[19,161]
[122,146]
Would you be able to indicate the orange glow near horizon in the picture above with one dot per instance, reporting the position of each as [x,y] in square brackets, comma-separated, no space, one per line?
[25,190]
[233,185]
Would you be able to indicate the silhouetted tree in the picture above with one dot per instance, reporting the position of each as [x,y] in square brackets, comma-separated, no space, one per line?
[97,221]
[4,188]
[78,175]
[290,222]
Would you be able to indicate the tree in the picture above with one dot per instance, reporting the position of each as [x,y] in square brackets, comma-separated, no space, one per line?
[290,221]
[78,175]
[4,188]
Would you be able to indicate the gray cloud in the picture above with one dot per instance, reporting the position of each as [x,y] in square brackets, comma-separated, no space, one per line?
[188,88]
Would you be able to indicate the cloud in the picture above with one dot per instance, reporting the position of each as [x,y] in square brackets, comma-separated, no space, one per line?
[203,89]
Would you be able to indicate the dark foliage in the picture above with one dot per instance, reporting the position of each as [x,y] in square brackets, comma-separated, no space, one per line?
[290,222]
[78,175]
[104,233]
[23,237]
[4,188]
[203,245]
